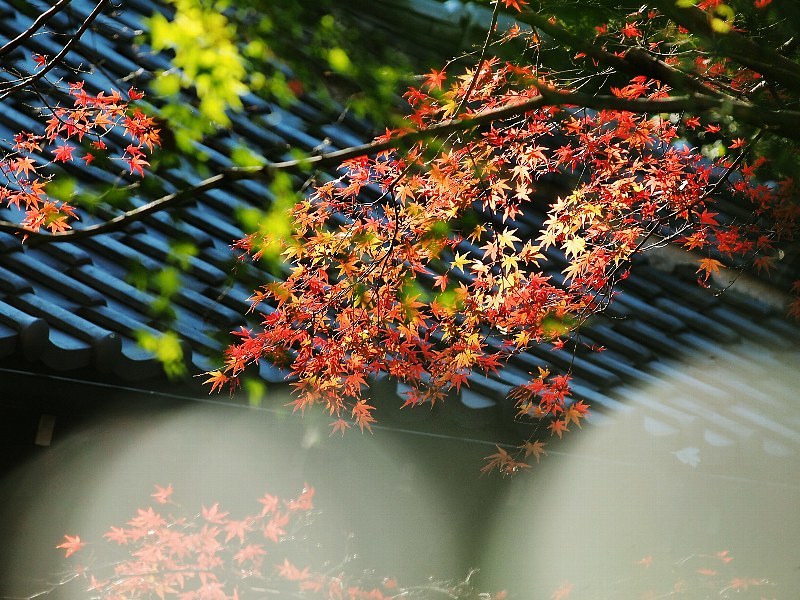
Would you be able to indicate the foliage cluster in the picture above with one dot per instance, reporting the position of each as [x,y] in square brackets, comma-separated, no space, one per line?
[616,130]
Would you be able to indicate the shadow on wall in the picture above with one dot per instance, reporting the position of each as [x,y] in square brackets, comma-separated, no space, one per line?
[691,490]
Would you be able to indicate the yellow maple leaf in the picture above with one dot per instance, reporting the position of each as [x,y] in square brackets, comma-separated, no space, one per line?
[574,246]
[459,261]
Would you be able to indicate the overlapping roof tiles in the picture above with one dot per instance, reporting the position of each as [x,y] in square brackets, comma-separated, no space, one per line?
[74,307]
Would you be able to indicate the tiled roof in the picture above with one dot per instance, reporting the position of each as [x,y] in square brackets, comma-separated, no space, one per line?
[73,307]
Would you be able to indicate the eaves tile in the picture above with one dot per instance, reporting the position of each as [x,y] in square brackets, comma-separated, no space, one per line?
[695,407]
[599,400]
[618,364]
[714,351]
[212,222]
[134,362]
[192,329]
[746,327]
[8,340]
[649,336]
[67,254]
[580,366]
[644,310]
[53,278]
[112,249]
[209,309]
[153,247]
[112,287]
[65,352]
[646,400]
[676,375]
[175,229]
[604,334]
[105,345]
[759,418]
[11,283]
[688,292]
[32,330]
[8,242]
[697,321]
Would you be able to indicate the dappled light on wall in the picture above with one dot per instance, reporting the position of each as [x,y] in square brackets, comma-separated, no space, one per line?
[691,490]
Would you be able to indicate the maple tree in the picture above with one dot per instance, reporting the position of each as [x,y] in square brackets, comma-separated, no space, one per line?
[662,123]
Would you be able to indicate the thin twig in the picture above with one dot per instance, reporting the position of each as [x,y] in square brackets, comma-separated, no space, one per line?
[26,81]
[11,45]
[548,97]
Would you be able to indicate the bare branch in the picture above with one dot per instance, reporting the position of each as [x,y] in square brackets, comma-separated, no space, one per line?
[11,45]
[481,60]
[782,122]
[735,45]
[26,81]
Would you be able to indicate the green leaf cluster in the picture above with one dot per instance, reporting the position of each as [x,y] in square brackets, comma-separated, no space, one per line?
[206,58]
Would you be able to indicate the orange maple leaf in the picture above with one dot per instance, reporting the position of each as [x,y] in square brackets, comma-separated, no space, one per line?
[24,164]
[217,379]
[162,494]
[534,448]
[339,425]
[562,592]
[71,544]
[361,413]
[709,266]
[497,460]
[558,427]
[213,514]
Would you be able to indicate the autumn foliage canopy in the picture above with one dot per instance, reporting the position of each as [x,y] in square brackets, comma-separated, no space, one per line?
[611,138]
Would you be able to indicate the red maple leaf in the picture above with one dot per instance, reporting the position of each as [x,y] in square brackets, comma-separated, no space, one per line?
[515,4]
[434,79]
[63,153]
[136,164]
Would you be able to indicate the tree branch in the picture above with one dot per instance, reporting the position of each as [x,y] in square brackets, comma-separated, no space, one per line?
[636,61]
[734,45]
[25,81]
[784,122]
[11,45]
